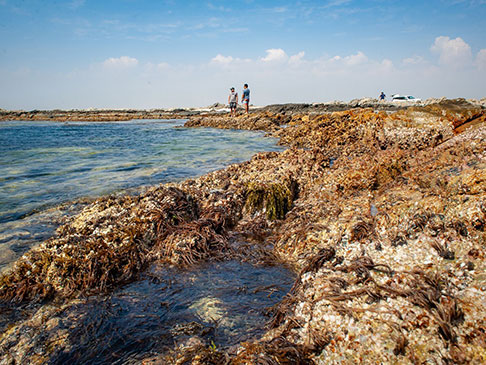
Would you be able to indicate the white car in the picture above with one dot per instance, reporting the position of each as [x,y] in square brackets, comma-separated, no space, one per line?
[408,98]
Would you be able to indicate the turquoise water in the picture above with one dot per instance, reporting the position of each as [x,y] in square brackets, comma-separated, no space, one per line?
[45,166]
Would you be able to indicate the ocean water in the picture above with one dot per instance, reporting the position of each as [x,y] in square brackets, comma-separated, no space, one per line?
[47,169]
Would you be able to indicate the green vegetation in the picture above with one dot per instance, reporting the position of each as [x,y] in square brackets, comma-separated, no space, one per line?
[275,199]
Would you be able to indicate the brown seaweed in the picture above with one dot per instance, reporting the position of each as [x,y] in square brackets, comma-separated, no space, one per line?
[348,183]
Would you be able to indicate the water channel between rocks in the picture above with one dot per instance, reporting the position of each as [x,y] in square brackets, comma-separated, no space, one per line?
[218,303]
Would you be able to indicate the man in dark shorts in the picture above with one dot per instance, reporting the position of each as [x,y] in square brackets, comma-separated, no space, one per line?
[245,99]
[233,101]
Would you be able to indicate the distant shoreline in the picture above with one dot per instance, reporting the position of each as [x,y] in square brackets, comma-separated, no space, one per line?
[108,115]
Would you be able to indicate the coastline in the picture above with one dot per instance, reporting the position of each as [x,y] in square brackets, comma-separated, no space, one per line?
[107,115]
[381,213]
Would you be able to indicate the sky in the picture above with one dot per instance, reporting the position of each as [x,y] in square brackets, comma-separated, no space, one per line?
[144,54]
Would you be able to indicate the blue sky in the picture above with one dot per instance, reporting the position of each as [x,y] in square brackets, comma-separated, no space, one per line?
[167,53]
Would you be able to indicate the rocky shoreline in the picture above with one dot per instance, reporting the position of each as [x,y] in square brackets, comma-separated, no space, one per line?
[382,213]
[107,115]
[93,115]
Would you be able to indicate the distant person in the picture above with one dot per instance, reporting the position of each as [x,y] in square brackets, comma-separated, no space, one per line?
[382,96]
[233,101]
[245,99]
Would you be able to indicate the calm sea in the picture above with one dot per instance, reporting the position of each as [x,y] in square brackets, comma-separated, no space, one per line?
[48,168]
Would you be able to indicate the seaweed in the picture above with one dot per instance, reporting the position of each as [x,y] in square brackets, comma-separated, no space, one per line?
[275,199]
[443,250]
[278,351]
[401,345]
[324,255]
[108,244]
[361,230]
[310,207]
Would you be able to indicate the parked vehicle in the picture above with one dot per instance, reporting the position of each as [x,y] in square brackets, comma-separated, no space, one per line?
[408,98]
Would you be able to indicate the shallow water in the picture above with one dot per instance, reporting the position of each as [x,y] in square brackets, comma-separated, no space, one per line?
[221,303]
[45,164]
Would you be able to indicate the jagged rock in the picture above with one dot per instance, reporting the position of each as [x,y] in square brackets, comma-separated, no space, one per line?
[383,216]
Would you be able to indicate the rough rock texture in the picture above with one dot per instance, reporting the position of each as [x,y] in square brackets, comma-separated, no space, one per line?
[388,232]
[383,215]
[265,121]
[94,115]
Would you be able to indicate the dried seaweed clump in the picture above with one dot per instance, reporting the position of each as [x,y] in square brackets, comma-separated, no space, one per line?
[275,199]
[192,242]
[274,352]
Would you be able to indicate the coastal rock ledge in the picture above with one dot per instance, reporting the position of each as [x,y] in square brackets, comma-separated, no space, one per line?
[382,215]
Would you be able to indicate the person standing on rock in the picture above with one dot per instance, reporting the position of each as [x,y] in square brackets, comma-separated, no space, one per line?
[233,101]
[382,96]
[245,99]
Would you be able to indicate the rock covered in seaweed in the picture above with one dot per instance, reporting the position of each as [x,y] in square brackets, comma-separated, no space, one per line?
[383,215]
[405,222]
[400,199]
[111,241]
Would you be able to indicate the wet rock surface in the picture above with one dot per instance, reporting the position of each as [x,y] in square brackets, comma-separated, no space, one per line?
[381,213]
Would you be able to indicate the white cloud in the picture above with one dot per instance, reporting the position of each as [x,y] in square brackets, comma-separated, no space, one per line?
[351,60]
[481,60]
[218,7]
[414,60]
[356,59]
[280,9]
[275,54]
[452,52]
[220,59]
[296,59]
[333,3]
[121,62]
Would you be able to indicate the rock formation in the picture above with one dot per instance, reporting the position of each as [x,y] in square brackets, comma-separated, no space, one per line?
[381,214]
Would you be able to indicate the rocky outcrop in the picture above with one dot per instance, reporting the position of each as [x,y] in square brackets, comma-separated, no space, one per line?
[387,232]
[95,115]
[383,216]
[265,121]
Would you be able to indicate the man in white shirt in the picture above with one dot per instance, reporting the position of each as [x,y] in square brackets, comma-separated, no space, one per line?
[233,101]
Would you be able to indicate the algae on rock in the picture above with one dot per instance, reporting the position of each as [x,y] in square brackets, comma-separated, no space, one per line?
[275,199]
